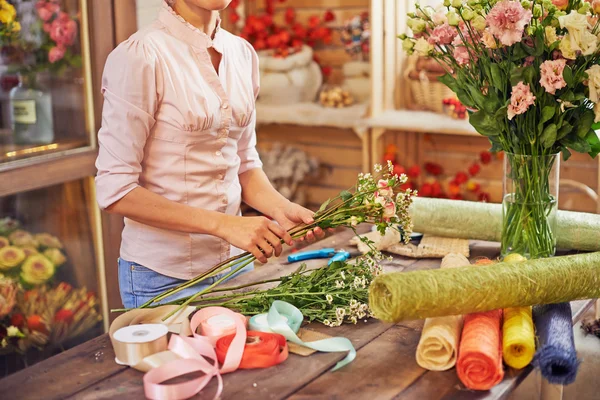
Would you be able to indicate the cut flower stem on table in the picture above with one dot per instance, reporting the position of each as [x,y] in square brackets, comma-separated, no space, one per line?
[376,199]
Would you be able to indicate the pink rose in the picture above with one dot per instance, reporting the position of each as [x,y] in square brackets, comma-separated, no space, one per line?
[389,210]
[56,54]
[520,100]
[552,75]
[63,30]
[384,189]
[507,20]
[442,35]
[380,200]
[561,4]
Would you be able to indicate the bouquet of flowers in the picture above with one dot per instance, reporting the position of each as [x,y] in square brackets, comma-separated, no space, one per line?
[48,44]
[34,312]
[528,72]
[356,36]
[375,199]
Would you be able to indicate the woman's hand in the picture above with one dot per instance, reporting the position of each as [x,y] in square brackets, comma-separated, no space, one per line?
[291,214]
[257,235]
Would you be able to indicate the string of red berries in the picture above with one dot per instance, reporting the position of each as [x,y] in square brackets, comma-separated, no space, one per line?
[461,186]
[454,108]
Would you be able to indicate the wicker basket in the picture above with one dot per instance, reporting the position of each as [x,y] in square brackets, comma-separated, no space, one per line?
[425,92]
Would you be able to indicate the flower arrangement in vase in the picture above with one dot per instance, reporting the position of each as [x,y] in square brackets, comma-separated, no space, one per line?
[48,45]
[529,73]
[289,70]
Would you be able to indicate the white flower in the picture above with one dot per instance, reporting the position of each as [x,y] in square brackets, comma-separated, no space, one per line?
[380,200]
[354,221]
[340,312]
[343,274]
[4,343]
[12,331]
[384,189]
[579,34]
[329,298]
[566,49]
[594,82]
[389,210]
[423,47]
[378,168]
[550,35]
[339,284]
[327,322]
[353,304]
[353,320]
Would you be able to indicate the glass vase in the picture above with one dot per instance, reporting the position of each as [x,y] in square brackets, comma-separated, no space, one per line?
[31,111]
[529,205]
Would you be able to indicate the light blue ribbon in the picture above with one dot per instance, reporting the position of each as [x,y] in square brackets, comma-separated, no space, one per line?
[285,319]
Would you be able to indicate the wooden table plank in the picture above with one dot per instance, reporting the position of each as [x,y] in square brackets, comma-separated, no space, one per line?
[64,374]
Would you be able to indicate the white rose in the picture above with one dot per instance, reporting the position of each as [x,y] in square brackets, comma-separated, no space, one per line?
[594,82]
[579,33]
[423,47]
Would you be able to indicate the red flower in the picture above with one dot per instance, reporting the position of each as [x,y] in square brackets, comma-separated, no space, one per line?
[474,169]
[391,148]
[314,21]
[461,178]
[486,157]
[436,189]
[64,315]
[457,196]
[18,320]
[285,37]
[36,323]
[329,16]
[267,20]
[453,189]
[433,169]
[260,44]
[426,190]
[327,70]
[484,197]
[273,42]
[399,170]
[297,44]
[269,8]
[473,186]
[406,186]
[290,16]
[414,171]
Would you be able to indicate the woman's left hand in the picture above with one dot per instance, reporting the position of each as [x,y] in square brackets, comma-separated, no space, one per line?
[292,214]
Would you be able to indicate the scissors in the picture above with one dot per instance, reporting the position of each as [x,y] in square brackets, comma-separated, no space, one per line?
[329,252]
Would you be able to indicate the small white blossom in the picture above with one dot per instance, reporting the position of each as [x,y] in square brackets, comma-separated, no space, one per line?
[329,298]
[378,168]
[353,320]
[343,274]
[4,343]
[340,312]
[12,331]
[327,322]
[339,284]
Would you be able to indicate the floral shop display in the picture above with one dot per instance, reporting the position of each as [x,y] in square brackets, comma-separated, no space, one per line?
[33,49]
[529,72]
[335,97]
[430,179]
[454,108]
[288,71]
[38,313]
[423,91]
[356,37]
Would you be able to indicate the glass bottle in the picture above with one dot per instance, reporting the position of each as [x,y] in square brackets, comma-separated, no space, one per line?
[31,111]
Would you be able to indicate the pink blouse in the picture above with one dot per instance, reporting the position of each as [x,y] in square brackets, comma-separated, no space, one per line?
[174,126]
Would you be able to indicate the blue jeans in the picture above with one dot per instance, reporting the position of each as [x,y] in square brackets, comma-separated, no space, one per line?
[139,284]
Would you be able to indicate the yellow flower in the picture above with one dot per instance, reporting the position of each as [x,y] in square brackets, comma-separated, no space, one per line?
[11,257]
[46,240]
[37,269]
[566,49]
[7,13]
[16,26]
[551,37]
[56,256]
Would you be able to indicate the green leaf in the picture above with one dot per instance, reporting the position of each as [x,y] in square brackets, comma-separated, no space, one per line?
[568,96]
[564,130]
[501,113]
[577,144]
[516,76]
[529,74]
[449,81]
[465,99]
[346,195]
[548,136]
[568,75]
[518,52]
[585,123]
[477,96]
[566,153]
[484,123]
[496,75]
[324,206]
[594,142]
[547,113]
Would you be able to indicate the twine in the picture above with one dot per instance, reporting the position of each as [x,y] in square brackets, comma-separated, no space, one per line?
[402,296]
[518,337]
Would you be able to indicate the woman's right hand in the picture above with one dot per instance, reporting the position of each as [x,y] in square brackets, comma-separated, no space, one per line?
[257,235]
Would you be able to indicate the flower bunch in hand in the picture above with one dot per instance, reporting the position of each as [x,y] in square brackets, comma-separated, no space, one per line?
[376,199]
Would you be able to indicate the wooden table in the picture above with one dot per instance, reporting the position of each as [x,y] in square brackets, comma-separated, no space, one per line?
[385,366]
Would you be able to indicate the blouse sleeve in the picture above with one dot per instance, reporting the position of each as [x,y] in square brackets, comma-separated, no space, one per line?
[249,158]
[129,87]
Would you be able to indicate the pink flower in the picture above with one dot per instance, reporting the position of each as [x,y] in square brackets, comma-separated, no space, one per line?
[442,35]
[47,9]
[461,55]
[47,27]
[63,30]
[384,189]
[561,4]
[507,20]
[389,210]
[520,100]
[56,54]
[552,75]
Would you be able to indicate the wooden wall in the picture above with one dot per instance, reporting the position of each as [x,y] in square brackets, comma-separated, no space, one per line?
[334,54]
[456,153]
[338,150]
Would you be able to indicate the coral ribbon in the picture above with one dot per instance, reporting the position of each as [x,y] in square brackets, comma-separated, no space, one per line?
[263,350]
[479,364]
[285,319]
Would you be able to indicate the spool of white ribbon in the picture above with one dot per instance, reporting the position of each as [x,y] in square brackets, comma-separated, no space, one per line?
[135,342]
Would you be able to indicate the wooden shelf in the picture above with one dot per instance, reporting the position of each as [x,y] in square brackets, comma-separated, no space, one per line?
[48,172]
[13,152]
[420,121]
[312,114]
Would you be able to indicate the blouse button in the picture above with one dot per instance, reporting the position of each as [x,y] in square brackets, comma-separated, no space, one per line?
[218,153]
[225,106]
[220,177]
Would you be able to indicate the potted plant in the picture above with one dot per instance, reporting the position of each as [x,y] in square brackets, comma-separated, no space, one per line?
[288,71]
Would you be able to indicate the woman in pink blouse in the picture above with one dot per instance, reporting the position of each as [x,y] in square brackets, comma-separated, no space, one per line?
[177,152]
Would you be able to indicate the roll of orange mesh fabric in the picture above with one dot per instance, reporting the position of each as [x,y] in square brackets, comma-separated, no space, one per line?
[262,350]
[479,364]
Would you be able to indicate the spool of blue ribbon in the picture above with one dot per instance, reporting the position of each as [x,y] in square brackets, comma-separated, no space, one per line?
[285,319]
[556,356]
